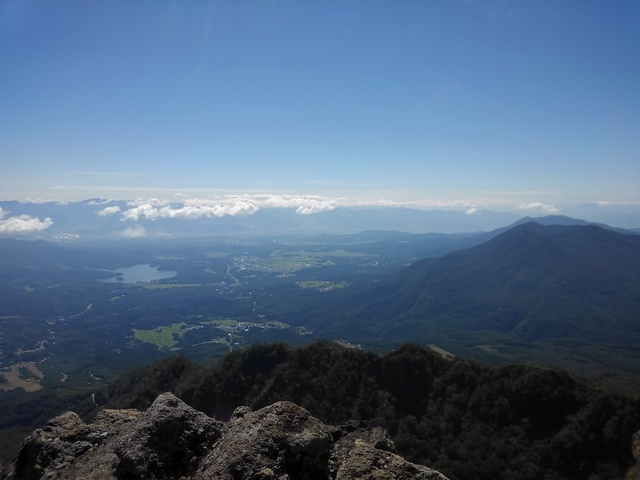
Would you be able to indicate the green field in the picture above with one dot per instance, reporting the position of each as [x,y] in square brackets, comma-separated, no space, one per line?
[322,285]
[226,322]
[287,262]
[162,337]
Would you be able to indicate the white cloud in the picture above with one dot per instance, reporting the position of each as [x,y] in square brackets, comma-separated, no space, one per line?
[109,211]
[232,205]
[192,205]
[146,211]
[311,209]
[247,204]
[304,204]
[22,223]
[156,202]
[192,209]
[545,207]
[135,231]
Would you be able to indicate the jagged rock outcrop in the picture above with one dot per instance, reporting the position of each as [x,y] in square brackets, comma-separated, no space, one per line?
[163,442]
[275,440]
[173,441]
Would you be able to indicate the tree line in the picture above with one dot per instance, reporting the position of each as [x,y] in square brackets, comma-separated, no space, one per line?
[468,420]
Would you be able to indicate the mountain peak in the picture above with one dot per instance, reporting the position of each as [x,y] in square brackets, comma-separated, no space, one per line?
[552,220]
[563,220]
[529,283]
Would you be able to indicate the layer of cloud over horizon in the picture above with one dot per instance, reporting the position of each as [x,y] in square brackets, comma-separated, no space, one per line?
[245,205]
[235,205]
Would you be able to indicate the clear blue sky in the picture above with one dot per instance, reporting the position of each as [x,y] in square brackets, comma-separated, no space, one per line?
[461,102]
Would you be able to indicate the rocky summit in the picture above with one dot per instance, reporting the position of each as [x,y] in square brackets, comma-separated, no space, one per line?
[171,440]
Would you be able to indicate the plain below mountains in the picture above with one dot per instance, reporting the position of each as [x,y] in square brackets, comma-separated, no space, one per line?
[553,294]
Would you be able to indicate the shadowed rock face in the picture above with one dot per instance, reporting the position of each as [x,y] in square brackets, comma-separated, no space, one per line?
[173,441]
[163,442]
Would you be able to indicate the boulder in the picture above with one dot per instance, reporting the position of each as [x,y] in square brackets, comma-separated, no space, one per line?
[166,441]
[279,441]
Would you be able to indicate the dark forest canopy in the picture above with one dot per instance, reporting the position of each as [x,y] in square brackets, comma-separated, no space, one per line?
[469,420]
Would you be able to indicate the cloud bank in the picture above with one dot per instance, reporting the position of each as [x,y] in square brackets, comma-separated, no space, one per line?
[232,205]
[242,205]
[22,224]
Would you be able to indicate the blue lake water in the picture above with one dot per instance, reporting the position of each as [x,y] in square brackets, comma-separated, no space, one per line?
[140,273]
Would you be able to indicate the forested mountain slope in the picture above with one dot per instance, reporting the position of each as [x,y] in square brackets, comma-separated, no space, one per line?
[532,281]
[468,420]
[567,296]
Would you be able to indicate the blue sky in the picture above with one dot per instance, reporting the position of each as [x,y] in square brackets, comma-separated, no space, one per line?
[470,104]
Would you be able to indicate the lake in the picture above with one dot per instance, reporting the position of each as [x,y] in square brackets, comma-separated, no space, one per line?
[143,272]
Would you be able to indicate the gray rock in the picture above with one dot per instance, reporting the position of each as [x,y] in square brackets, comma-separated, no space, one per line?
[345,437]
[173,441]
[167,441]
[366,462]
[279,441]
[68,448]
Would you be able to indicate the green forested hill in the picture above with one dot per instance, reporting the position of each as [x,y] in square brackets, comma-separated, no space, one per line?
[468,420]
[532,281]
[558,295]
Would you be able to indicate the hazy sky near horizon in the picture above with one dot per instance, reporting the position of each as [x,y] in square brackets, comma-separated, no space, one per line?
[473,102]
